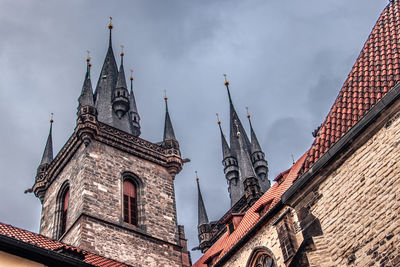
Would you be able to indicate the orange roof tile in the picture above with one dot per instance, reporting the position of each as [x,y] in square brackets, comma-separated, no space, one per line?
[53,245]
[376,71]
[251,217]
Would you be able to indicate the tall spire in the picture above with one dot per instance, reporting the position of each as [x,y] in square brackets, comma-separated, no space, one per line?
[168,129]
[120,97]
[86,97]
[226,152]
[48,150]
[202,213]
[106,84]
[135,118]
[235,125]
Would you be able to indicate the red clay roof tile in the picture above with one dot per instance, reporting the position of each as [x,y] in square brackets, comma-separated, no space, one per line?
[53,245]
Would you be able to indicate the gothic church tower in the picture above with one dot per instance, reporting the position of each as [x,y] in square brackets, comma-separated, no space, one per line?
[108,191]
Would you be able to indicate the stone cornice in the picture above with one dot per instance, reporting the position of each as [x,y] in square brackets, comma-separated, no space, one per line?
[88,128]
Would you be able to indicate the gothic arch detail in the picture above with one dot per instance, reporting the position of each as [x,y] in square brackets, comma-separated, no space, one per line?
[62,204]
[261,257]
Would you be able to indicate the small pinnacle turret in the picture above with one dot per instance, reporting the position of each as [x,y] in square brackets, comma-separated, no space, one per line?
[202,213]
[203,226]
[47,156]
[168,129]
[86,97]
[231,169]
[120,99]
[258,158]
[134,114]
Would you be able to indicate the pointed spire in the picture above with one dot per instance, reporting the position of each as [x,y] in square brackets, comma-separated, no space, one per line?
[132,100]
[255,146]
[168,129]
[235,124]
[121,81]
[202,213]
[86,97]
[246,168]
[48,150]
[226,152]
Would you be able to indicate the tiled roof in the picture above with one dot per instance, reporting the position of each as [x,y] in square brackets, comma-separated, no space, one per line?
[376,71]
[251,217]
[53,245]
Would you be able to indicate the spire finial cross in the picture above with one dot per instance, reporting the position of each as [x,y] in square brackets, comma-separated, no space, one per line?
[218,121]
[197,177]
[122,50]
[51,117]
[248,114]
[131,78]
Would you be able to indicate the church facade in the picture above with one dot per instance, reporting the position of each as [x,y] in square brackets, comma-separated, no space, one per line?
[338,205]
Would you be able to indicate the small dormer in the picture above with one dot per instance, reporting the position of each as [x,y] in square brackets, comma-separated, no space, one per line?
[263,208]
[232,221]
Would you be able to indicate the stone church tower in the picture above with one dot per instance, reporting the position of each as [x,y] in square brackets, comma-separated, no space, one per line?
[108,191]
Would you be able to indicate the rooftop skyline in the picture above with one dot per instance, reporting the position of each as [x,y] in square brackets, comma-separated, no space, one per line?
[285,61]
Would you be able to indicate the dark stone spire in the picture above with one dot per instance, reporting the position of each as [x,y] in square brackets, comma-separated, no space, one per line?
[235,125]
[247,173]
[231,170]
[134,114]
[86,97]
[226,151]
[106,84]
[168,129]
[258,159]
[120,99]
[202,213]
[48,150]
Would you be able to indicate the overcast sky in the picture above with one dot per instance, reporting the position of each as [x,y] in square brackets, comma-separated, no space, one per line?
[285,60]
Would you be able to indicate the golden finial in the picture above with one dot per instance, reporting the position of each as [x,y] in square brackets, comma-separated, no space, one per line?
[218,121]
[131,78]
[165,95]
[122,51]
[51,117]
[110,25]
[247,110]
[226,81]
[197,177]
[88,58]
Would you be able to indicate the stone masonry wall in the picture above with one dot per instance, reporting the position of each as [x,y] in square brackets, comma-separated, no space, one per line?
[95,175]
[266,237]
[71,173]
[359,204]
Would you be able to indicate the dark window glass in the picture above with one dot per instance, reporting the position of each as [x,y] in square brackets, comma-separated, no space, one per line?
[130,204]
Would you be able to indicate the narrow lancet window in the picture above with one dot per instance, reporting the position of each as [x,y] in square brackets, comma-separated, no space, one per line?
[130,203]
[64,212]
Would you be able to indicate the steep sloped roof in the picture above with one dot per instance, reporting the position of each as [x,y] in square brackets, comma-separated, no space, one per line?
[376,71]
[251,217]
[55,246]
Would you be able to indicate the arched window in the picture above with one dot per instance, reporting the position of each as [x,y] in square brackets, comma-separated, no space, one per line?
[64,200]
[130,202]
[261,257]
